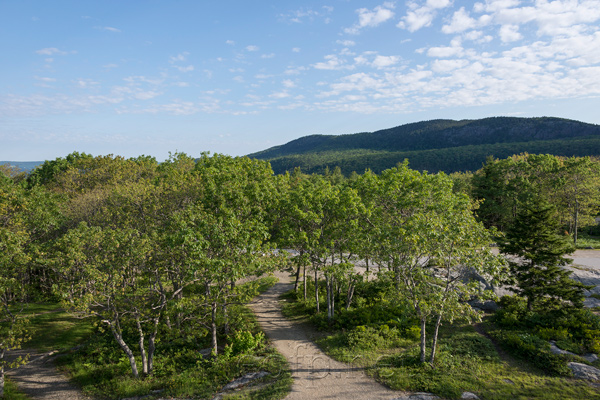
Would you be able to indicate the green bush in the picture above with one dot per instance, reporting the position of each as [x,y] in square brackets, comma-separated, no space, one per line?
[530,347]
[243,342]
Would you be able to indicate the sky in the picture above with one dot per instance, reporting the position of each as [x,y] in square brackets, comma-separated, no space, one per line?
[156,77]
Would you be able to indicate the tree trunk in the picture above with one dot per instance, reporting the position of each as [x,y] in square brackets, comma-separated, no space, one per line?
[226,319]
[152,346]
[576,221]
[213,326]
[317,289]
[125,348]
[423,326]
[329,286]
[438,322]
[350,294]
[2,374]
[304,278]
[297,278]
[141,344]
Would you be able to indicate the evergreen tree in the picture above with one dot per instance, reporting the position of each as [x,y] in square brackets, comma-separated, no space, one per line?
[539,249]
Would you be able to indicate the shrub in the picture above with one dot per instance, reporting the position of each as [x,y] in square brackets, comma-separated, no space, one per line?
[534,349]
[243,342]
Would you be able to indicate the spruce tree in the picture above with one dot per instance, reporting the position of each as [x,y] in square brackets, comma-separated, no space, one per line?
[539,250]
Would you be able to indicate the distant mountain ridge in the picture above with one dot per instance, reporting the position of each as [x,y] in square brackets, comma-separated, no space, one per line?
[430,140]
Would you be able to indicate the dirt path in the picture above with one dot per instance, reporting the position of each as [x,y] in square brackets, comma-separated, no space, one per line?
[39,378]
[316,376]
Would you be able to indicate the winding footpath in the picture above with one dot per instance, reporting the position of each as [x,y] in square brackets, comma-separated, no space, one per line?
[316,375]
[39,378]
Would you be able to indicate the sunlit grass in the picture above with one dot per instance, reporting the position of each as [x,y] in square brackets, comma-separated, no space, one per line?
[52,328]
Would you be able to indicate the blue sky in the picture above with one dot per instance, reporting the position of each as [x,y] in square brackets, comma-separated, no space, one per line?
[152,77]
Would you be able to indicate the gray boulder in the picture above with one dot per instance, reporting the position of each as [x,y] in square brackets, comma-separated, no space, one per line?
[589,357]
[244,380]
[485,305]
[584,371]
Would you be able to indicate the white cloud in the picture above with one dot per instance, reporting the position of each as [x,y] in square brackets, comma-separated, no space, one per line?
[455,49]
[294,70]
[252,48]
[45,79]
[445,66]
[179,57]
[356,82]
[279,95]
[108,28]
[296,50]
[85,83]
[372,18]
[385,61]
[461,21]
[187,68]
[147,95]
[288,83]
[302,15]
[510,33]
[266,56]
[346,43]
[333,63]
[421,16]
[50,51]
[230,42]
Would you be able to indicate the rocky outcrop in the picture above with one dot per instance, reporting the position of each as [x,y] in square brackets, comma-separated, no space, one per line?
[584,371]
[589,357]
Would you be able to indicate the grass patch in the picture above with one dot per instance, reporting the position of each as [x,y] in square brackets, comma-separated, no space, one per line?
[11,391]
[52,328]
[586,241]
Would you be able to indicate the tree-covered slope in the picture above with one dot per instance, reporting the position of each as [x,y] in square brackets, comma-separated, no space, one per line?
[439,145]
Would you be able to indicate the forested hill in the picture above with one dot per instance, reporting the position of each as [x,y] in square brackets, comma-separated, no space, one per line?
[437,145]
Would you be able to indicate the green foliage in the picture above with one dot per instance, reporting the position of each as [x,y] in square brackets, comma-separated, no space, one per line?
[181,370]
[575,330]
[244,342]
[530,347]
[535,240]
[49,170]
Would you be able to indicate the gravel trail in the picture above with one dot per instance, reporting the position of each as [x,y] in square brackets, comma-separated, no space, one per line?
[316,375]
[39,378]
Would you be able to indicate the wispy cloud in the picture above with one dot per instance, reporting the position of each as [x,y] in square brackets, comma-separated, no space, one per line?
[421,16]
[179,58]
[252,48]
[51,51]
[371,18]
[307,15]
[346,43]
[108,28]
[187,68]
[333,62]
